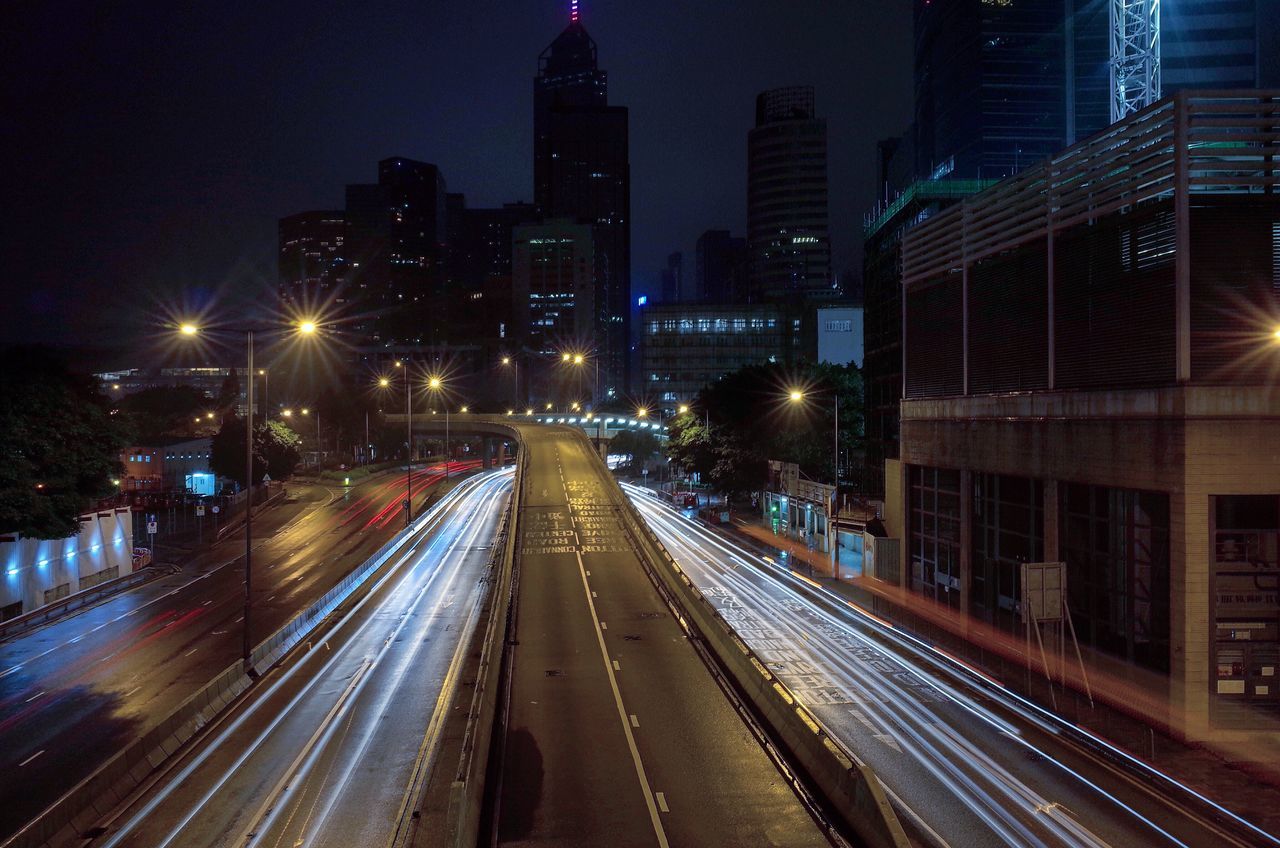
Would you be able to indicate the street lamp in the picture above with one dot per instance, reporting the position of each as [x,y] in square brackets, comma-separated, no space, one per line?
[515,377]
[436,385]
[384,382]
[304,328]
[797,396]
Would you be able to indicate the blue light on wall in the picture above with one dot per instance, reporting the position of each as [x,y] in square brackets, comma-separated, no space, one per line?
[642,300]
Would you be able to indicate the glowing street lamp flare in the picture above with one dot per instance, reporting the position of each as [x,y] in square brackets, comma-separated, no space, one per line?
[434,383]
[189,329]
[641,412]
[307,328]
[797,396]
[564,357]
[384,382]
[464,409]
[506,360]
[1277,334]
[578,359]
[683,408]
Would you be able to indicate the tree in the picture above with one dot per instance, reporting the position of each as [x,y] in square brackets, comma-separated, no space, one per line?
[637,446]
[163,411]
[60,444]
[229,394]
[752,420]
[276,451]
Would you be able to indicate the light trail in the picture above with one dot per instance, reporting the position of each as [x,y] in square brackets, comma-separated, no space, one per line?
[356,651]
[894,675]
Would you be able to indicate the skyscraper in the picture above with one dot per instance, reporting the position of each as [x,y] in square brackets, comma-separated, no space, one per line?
[673,279]
[553,292]
[581,172]
[720,265]
[395,243]
[787,235]
[310,259]
[1219,44]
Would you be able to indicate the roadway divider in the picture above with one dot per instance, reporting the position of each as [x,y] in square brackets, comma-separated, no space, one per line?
[850,788]
[66,821]
[467,792]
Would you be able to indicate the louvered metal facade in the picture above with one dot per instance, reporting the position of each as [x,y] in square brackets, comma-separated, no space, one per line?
[1145,256]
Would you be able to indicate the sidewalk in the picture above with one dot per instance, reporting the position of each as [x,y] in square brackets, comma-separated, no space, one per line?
[1250,790]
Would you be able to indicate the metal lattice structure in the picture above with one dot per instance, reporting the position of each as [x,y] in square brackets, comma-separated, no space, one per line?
[1135,56]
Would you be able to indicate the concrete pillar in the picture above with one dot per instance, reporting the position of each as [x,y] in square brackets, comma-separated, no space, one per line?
[486,446]
[1051,530]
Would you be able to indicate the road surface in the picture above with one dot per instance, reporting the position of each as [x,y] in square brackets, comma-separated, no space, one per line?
[328,748]
[965,763]
[618,734]
[76,691]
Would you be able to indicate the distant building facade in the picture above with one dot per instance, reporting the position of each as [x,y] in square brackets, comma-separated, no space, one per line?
[673,279]
[687,346]
[838,335]
[788,236]
[395,249]
[553,288]
[720,268]
[310,260]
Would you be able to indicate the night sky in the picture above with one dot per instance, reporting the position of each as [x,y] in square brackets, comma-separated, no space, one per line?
[150,148]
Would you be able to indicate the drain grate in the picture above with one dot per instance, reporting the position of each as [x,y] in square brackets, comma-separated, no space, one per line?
[652,615]
[554,672]
[631,637]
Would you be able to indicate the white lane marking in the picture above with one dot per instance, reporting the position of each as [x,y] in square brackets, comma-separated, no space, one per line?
[206,603]
[622,715]
[219,632]
[193,650]
[603,625]
[616,667]
[635,722]
[30,758]
[875,731]
[593,594]
[131,691]
[241,618]
[33,697]
[662,803]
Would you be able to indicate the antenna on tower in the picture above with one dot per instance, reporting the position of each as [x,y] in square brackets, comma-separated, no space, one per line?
[1135,55]
[573,11]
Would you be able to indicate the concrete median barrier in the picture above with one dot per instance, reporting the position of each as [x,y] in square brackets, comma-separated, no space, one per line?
[850,788]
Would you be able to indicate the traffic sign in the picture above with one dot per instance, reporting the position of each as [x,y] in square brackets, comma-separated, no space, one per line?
[404,504]
[151,528]
[199,510]
[216,509]
[266,478]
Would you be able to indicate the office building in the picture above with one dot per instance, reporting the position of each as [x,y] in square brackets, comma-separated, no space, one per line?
[788,241]
[838,336]
[683,347]
[395,250]
[1224,44]
[310,261]
[553,294]
[582,173]
[1090,370]
[673,279]
[720,268]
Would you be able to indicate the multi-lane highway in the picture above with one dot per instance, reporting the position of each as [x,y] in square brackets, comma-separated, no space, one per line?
[965,762]
[73,693]
[617,734]
[331,745]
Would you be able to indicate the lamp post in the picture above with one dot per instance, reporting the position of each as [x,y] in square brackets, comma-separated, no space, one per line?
[797,396]
[266,407]
[305,328]
[437,386]
[515,378]
[408,444]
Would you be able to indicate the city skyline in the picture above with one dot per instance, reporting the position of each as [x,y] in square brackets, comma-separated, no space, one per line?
[688,150]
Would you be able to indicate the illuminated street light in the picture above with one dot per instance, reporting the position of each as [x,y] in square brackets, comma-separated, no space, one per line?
[384,382]
[529,411]
[435,384]
[306,411]
[796,395]
[684,408]
[287,413]
[464,409]
[564,357]
[209,415]
[305,328]
[642,412]
[511,412]
[1276,334]
[548,407]
[574,406]
[578,359]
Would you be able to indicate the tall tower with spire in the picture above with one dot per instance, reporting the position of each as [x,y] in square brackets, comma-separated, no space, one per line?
[582,172]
